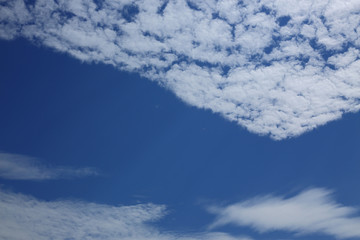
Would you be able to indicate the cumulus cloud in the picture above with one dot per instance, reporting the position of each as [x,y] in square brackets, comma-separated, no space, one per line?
[276,67]
[23,217]
[312,211]
[20,167]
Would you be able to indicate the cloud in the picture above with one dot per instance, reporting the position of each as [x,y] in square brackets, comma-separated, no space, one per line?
[276,67]
[20,167]
[312,211]
[24,217]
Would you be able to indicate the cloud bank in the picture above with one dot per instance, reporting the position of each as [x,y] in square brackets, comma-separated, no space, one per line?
[23,217]
[312,211]
[20,167]
[276,67]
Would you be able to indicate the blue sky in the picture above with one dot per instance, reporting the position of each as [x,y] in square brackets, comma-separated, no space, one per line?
[122,157]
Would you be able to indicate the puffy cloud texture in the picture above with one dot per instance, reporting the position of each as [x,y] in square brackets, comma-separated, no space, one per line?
[312,211]
[276,67]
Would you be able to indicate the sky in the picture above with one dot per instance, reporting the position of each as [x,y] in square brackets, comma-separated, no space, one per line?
[179,120]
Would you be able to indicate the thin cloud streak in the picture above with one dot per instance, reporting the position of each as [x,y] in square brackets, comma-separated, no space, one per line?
[20,167]
[311,211]
[276,67]
[23,217]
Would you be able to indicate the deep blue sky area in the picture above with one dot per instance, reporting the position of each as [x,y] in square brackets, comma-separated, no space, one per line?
[149,146]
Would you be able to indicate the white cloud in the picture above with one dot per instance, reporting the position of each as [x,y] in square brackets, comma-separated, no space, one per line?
[232,57]
[23,217]
[20,167]
[312,211]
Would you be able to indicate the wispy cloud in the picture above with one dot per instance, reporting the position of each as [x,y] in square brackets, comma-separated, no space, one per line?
[312,211]
[276,67]
[20,167]
[23,217]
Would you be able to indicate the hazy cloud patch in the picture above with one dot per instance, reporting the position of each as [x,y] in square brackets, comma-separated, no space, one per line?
[23,217]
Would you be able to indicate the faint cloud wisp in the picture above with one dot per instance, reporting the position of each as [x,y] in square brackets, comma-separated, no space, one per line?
[20,167]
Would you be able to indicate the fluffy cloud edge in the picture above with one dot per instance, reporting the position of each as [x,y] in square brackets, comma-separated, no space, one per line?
[278,68]
[313,211]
